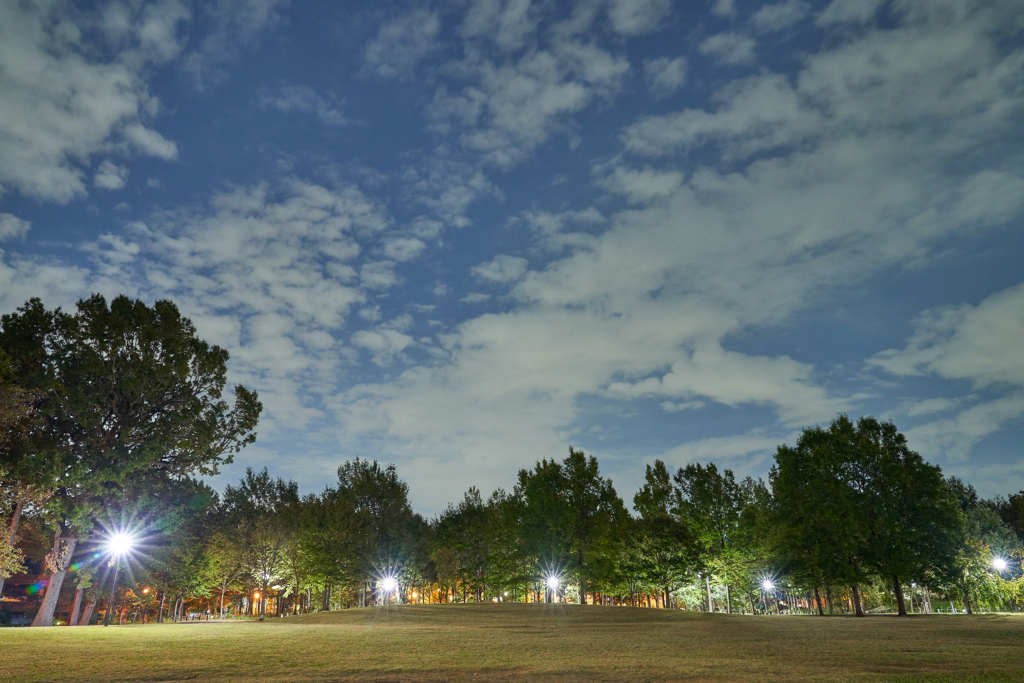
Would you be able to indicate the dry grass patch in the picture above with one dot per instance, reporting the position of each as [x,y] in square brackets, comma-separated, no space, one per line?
[508,641]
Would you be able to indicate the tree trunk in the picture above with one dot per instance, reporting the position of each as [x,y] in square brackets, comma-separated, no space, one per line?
[90,607]
[857,606]
[967,602]
[901,607]
[326,597]
[711,603]
[76,607]
[160,610]
[728,600]
[57,560]
[828,598]
[817,601]
[223,589]
[12,532]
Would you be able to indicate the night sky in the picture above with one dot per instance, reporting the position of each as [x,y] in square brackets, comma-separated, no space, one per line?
[460,237]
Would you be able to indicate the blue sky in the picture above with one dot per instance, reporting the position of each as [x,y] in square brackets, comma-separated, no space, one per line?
[461,236]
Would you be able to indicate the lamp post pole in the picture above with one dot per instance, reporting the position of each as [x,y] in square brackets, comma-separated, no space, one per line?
[113,590]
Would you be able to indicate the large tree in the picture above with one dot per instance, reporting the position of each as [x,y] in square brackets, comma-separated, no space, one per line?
[382,522]
[855,499]
[915,525]
[260,504]
[820,524]
[572,517]
[126,388]
[663,542]
[710,503]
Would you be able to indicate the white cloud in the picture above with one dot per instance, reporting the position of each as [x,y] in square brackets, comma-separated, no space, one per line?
[402,44]
[643,185]
[446,188]
[780,15]
[370,313]
[230,29]
[979,343]
[729,48]
[56,283]
[680,406]
[551,228]
[507,110]
[509,23]
[306,100]
[952,437]
[114,249]
[475,298]
[753,114]
[930,406]
[403,248]
[735,379]
[384,343]
[849,11]
[665,75]
[378,275]
[502,268]
[724,8]
[12,227]
[634,17]
[110,176]
[257,269]
[150,142]
[62,105]
[728,448]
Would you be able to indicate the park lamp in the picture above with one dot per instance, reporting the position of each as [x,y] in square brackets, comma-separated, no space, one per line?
[388,584]
[768,584]
[119,544]
[552,582]
[999,564]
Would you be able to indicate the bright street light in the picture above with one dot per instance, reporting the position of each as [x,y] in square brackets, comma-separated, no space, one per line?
[120,544]
[117,545]
[999,564]
[388,584]
[768,584]
[552,582]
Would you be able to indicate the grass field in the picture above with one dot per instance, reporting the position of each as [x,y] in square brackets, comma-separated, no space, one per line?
[506,641]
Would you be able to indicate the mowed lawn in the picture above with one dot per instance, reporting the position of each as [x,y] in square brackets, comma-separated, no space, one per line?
[508,641]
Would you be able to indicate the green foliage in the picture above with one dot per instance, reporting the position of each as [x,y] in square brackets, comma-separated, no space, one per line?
[571,517]
[665,547]
[124,388]
[11,560]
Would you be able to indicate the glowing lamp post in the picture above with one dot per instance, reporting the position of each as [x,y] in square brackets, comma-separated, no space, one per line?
[117,546]
[767,586]
[999,564]
[389,586]
[552,584]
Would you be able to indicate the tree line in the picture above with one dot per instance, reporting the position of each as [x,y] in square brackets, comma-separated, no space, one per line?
[110,413]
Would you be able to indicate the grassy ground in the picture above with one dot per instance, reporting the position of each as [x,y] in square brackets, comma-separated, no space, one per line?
[506,641]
